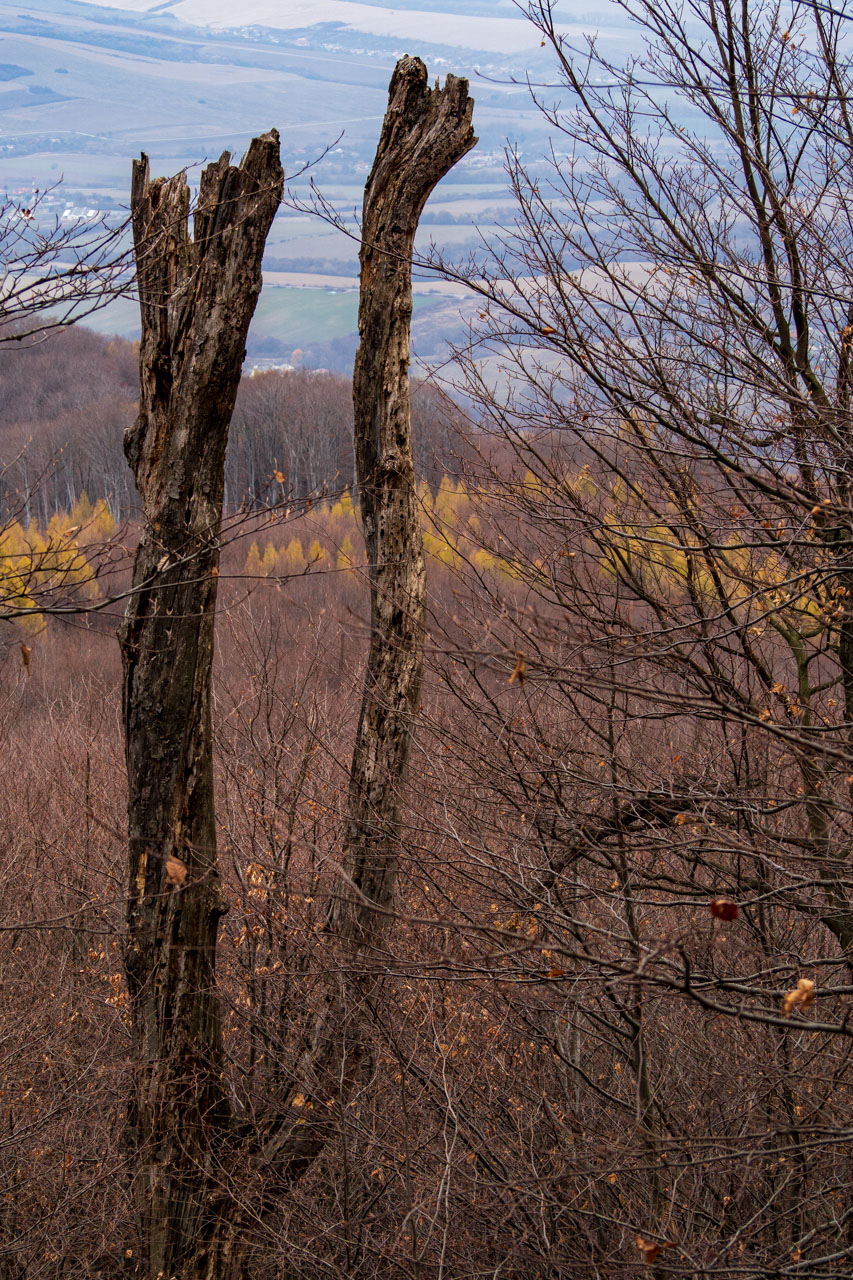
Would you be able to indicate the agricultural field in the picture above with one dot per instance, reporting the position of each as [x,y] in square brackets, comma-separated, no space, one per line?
[87,87]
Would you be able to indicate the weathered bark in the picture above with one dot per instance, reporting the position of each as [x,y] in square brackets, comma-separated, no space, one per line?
[424,134]
[197,298]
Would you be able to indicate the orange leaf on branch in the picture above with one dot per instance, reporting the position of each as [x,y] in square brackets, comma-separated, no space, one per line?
[801,995]
[650,1250]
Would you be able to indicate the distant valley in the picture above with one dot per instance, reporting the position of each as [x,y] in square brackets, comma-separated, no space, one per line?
[84,87]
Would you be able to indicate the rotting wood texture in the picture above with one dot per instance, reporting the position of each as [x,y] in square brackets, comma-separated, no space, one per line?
[425,132]
[197,296]
[197,300]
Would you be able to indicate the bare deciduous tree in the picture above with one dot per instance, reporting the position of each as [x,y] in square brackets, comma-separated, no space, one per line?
[664,533]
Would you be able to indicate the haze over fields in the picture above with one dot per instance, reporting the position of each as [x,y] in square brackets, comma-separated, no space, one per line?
[84,87]
[497,26]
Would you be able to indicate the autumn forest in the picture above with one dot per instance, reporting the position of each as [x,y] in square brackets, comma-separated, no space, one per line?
[447,871]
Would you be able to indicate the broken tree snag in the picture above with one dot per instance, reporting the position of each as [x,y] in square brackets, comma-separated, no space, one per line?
[425,132]
[197,297]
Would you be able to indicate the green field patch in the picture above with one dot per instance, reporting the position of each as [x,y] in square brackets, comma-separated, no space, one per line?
[290,315]
[304,316]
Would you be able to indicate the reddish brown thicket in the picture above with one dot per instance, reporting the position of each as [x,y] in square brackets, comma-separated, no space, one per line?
[662,701]
[497,1121]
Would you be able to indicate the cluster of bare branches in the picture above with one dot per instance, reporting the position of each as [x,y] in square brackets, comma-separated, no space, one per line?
[659,560]
[57,269]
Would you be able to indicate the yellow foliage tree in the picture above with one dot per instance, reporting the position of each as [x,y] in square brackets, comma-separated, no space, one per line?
[291,559]
[254,566]
[344,558]
[34,565]
[343,508]
[270,561]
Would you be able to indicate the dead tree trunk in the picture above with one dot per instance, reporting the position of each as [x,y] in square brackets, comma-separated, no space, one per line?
[196,301]
[424,134]
[197,298]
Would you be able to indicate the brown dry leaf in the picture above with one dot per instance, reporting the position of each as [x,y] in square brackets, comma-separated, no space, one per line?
[176,871]
[26,655]
[802,994]
[280,479]
[547,330]
[650,1250]
[723,909]
[556,973]
[519,671]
